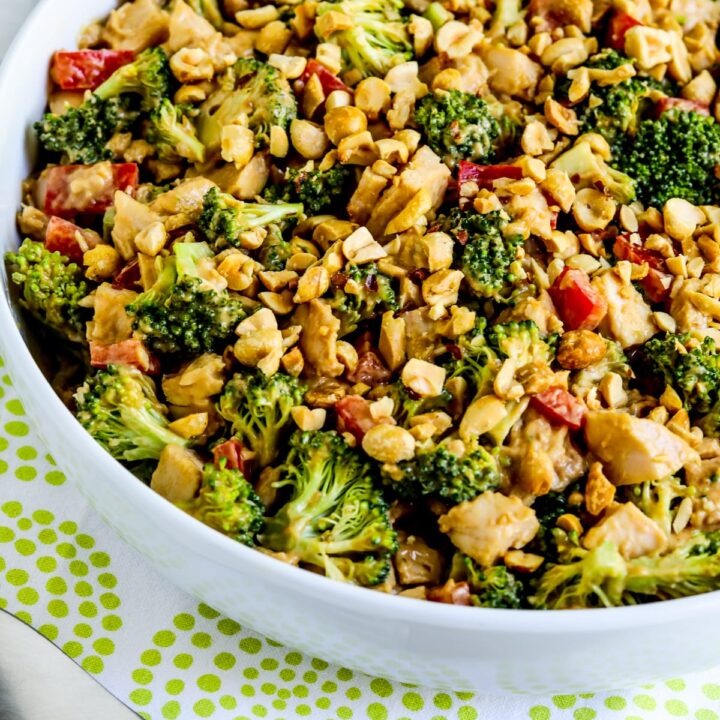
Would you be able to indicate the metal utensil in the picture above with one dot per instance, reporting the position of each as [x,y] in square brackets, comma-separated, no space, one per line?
[39,682]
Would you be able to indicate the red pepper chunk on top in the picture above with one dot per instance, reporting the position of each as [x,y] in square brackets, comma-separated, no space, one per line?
[560,407]
[579,305]
[87,69]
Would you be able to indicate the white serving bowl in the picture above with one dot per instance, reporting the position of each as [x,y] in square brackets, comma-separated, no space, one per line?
[440,646]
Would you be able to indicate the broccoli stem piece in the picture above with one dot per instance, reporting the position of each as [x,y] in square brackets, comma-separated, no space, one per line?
[438,15]
[118,406]
[335,518]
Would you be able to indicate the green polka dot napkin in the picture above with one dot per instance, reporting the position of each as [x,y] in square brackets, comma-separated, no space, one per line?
[155,648]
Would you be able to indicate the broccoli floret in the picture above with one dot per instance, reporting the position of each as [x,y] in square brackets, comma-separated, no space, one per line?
[52,288]
[458,126]
[81,134]
[493,587]
[227,503]
[522,342]
[251,91]
[691,369]
[274,254]
[224,219]
[507,13]
[173,134]
[602,578]
[210,10]
[548,508]
[674,157]
[437,472]
[182,312]
[659,499]
[335,518]
[118,406]
[581,163]
[318,191]
[484,253]
[474,360]
[378,39]
[259,408]
[363,293]
[148,76]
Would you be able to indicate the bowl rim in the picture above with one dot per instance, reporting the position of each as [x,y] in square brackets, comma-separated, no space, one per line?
[362,601]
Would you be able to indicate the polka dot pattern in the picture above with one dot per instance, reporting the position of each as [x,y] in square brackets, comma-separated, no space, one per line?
[66,574]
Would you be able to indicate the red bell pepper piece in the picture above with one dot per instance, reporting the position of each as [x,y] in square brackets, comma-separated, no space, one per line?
[682,104]
[234,454]
[579,304]
[68,239]
[485,174]
[328,81]
[354,417]
[637,254]
[128,277]
[620,23]
[87,69]
[127,352]
[560,407]
[59,199]
[656,285]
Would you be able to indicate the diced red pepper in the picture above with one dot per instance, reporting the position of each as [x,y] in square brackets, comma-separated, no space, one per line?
[87,69]
[128,277]
[620,23]
[354,417]
[485,174]
[656,285]
[624,249]
[682,104]
[57,197]
[235,455]
[68,239]
[579,304]
[328,81]
[560,407]
[127,352]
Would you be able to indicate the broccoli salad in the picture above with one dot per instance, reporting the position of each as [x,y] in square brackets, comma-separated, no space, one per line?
[420,296]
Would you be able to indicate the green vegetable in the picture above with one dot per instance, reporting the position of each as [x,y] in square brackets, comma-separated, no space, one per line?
[493,587]
[259,409]
[81,134]
[406,405]
[377,41]
[173,134]
[182,312]
[659,499]
[674,157]
[148,76]
[51,288]
[365,293]
[335,518]
[485,254]
[582,163]
[118,406]
[507,13]
[438,472]
[210,10]
[522,342]
[692,369]
[224,219]
[438,15]
[602,578]
[458,126]
[253,92]
[318,191]
[227,503]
